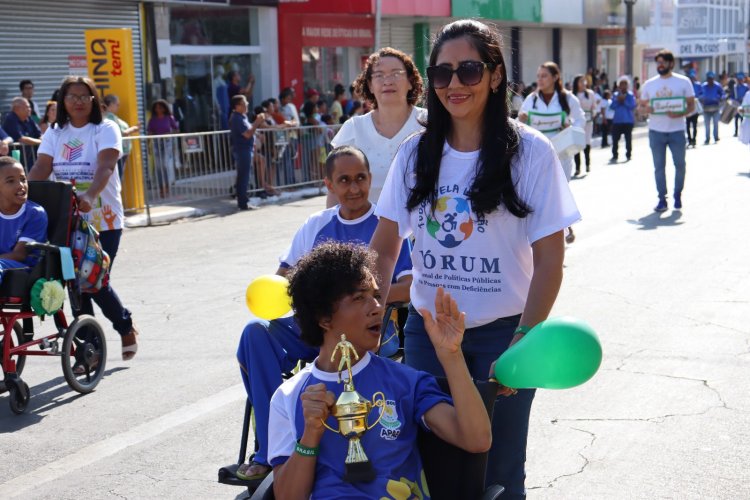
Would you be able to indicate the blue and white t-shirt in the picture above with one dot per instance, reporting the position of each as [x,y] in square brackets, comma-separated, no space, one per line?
[28,224]
[390,445]
[328,225]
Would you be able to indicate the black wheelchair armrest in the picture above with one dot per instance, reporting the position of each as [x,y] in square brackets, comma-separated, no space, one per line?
[34,245]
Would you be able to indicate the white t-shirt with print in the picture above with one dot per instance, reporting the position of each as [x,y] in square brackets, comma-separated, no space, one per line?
[360,131]
[674,86]
[74,158]
[486,264]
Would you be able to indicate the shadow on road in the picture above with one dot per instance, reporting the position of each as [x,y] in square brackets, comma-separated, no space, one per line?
[743,174]
[656,219]
[51,394]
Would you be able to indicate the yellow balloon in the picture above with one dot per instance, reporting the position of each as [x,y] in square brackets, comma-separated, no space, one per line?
[267,297]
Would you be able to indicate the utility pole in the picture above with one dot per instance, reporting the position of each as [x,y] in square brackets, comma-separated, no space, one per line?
[629,37]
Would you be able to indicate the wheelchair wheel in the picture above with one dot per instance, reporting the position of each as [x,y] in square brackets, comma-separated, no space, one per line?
[19,396]
[84,368]
[20,360]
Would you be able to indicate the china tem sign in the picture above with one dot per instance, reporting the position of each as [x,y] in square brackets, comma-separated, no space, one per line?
[109,56]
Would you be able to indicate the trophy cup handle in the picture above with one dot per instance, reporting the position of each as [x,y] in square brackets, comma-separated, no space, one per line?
[329,427]
[381,403]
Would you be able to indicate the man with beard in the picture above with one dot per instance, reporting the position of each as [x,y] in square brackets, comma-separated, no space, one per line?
[668,98]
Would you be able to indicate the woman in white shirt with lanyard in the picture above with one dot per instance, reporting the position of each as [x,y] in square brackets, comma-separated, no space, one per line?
[392,83]
[487,202]
[550,109]
[590,106]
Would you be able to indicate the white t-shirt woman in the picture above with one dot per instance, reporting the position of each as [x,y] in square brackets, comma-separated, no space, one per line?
[489,259]
[590,105]
[535,104]
[360,131]
[74,159]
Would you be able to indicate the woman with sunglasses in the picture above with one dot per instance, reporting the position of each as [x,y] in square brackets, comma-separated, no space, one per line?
[391,82]
[84,148]
[550,109]
[486,202]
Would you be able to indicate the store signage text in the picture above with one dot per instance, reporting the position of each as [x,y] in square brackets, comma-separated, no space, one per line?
[707,48]
[331,32]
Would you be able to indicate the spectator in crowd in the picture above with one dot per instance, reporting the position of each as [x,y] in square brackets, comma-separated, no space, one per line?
[242,135]
[740,89]
[234,88]
[98,144]
[337,106]
[111,108]
[666,128]
[27,91]
[391,82]
[605,104]
[162,122]
[623,105]
[711,97]
[350,103]
[313,97]
[19,125]
[591,107]
[692,119]
[291,120]
[50,116]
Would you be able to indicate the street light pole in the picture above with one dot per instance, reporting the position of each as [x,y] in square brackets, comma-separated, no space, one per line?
[629,37]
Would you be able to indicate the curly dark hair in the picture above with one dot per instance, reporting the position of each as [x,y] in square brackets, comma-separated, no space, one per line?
[362,83]
[331,271]
[493,184]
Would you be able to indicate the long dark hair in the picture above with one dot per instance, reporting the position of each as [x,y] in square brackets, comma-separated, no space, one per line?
[96,104]
[562,94]
[493,183]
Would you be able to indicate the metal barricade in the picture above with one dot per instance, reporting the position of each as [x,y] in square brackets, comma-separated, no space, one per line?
[24,153]
[189,167]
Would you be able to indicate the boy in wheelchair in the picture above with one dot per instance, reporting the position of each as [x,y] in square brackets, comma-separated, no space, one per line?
[269,349]
[21,220]
[334,292]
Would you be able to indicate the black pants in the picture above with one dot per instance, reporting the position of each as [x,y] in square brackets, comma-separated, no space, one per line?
[577,159]
[692,122]
[605,134]
[619,129]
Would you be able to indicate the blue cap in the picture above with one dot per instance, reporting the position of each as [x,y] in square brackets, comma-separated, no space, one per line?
[691,73]
[710,74]
[741,76]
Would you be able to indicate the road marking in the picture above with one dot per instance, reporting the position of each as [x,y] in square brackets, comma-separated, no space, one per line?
[108,447]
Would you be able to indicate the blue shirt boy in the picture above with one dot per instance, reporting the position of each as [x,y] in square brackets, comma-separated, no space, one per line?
[28,224]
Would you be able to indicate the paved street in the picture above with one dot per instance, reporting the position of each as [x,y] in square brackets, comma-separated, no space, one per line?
[667,416]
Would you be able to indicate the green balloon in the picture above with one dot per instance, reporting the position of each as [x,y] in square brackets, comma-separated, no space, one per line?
[558,353]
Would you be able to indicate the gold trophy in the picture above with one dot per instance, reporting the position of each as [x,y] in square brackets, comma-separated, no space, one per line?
[352,410]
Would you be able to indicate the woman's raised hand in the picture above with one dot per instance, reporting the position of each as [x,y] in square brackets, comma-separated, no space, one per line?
[446,329]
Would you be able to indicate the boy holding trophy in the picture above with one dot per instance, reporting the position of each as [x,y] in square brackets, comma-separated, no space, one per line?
[346,425]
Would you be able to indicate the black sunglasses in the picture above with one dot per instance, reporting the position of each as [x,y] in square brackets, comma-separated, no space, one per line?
[469,73]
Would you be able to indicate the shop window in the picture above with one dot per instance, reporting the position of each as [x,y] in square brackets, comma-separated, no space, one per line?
[218,26]
[323,68]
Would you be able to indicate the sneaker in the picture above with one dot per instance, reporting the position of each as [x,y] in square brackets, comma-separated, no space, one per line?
[661,207]
[613,160]
[677,202]
[570,237]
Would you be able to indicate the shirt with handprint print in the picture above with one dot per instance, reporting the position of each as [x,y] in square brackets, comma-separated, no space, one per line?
[74,154]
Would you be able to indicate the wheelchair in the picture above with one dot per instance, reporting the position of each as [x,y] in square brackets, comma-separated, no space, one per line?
[395,312]
[80,345]
[450,471]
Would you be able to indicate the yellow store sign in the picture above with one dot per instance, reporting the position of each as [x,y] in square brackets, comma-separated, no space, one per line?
[109,56]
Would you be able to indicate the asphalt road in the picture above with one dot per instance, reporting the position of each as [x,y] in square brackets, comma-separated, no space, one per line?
[667,416]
